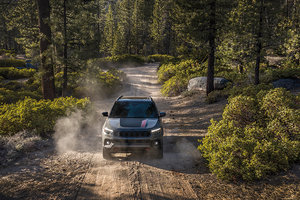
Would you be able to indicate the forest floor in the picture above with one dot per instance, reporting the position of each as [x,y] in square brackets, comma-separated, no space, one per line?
[82,173]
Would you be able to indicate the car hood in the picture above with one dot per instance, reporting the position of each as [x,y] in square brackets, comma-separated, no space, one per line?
[132,122]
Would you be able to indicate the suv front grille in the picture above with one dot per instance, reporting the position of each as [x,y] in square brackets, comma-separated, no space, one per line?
[131,142]
[134,134]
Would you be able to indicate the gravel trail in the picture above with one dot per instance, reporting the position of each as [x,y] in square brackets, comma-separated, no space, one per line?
[135,176]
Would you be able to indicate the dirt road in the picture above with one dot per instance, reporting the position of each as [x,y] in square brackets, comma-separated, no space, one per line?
[82,173]
[138,176]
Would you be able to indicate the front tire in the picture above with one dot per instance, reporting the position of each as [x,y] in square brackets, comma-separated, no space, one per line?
[158,153]
[106,154]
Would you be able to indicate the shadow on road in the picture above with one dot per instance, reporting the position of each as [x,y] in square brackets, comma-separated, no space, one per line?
[180,155]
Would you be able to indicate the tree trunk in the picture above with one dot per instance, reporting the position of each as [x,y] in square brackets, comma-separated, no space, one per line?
[211,38]
[259,45]
[65,76]
[48,87]
[241,68]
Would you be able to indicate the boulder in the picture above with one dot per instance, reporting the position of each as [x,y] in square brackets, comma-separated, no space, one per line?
[287,83]
[199,83]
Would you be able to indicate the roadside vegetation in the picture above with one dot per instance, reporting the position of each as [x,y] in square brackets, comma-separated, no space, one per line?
[257,136]
[86,43]
[175,75]
[23,108]
[38,117]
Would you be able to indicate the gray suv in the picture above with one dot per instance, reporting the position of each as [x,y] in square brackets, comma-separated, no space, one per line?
[133,124]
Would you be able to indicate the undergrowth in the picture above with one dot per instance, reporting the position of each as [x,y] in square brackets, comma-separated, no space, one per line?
[38,117]
[257,136]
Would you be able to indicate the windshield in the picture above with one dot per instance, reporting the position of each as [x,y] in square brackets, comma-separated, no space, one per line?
[133,109]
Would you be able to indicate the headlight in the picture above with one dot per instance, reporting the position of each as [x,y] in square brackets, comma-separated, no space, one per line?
[107,130]
[155,131]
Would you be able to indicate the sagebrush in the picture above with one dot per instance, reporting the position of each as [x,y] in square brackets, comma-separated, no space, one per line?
[36,116]
[257,136]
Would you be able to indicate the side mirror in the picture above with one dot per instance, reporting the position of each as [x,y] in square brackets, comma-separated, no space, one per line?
[105,114]
[162,114]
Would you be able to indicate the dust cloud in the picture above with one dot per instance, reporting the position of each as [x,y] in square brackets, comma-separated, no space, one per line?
[78,132]
[180,154]
[81,132]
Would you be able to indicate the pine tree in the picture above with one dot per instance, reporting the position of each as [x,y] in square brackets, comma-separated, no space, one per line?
[7,34]
[21,17]
[123,35]
[161,27]
[288,33]
[137,28]
[109,32]
[212,46]
[250,32]
[65,76]
[198,24]
[48,88]
[142,19]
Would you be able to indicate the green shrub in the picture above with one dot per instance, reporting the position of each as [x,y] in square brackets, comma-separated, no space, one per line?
[290,62]
[217,95]
[13,91]
[286,124]
[13,73]
[160,58]
[275,100]
[10,96]
[251,90]
[115,61]
[13,85]
[235,77]
[109,80]
[254,139]
[36,116]
[100,83]
[126,59]
[8,53]
[33,83]
[175,76]
[271,75]
[187,68]
[12,63]
[98,63]
[174,86]
[165,72]
[241,110]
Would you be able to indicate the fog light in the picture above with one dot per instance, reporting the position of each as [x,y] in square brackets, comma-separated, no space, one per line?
[107,142]
[156,143]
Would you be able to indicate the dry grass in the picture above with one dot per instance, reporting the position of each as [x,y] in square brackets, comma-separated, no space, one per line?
[16,146]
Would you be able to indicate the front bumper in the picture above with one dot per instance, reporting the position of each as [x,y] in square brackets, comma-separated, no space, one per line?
[129,144]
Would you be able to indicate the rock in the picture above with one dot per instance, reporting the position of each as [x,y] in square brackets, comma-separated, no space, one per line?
[287,83]
[220,83]
[199,83]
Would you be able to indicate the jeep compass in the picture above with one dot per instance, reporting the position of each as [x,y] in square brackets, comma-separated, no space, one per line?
[133,124]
